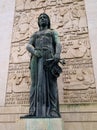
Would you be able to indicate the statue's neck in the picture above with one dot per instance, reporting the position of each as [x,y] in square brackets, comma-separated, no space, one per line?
[43,28]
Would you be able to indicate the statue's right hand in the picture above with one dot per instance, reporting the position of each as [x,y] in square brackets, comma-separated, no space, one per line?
[33,51]
[37,53]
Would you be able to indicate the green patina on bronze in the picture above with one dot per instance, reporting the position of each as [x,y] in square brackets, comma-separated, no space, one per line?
[45,49]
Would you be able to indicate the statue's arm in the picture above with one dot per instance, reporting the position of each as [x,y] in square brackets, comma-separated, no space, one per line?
[57,45]
[30,47]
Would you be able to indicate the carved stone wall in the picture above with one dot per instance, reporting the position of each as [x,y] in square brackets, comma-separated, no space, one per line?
[68,18]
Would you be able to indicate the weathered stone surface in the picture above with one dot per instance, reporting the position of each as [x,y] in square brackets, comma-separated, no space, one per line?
[20,4]
[91,12]
[80,126]
[42,124]
[6,24]
[69,19]
[75,117]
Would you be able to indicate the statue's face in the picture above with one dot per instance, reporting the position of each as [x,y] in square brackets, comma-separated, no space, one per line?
[43,20]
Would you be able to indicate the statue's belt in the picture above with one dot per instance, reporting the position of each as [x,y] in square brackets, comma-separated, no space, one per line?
[44,48]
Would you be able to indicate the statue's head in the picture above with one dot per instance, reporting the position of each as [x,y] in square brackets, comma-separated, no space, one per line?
[43,20]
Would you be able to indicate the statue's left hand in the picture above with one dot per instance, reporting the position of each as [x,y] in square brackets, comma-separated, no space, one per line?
[56,57]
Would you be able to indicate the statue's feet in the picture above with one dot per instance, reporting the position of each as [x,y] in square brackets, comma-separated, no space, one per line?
[30,115]
[54,114]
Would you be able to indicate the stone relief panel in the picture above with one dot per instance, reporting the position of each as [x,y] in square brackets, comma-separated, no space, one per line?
[79,84]
[18,53]
[18,78]
[68,18]
[18,84]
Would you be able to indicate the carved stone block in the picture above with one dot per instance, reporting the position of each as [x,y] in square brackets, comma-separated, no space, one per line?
[41,124]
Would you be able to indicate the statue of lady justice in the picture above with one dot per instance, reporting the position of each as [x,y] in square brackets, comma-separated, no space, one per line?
[45,49]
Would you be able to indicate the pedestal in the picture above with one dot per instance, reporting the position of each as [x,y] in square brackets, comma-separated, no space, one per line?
[40,124]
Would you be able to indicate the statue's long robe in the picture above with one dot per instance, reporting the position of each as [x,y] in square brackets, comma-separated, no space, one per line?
[44,91]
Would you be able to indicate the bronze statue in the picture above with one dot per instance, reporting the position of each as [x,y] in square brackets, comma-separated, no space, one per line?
[45,49]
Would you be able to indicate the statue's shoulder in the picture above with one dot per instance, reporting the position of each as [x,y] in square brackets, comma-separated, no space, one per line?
[48,31]
[53,32]
[34,34]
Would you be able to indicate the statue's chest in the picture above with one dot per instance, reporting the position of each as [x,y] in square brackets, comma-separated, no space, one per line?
[44,39]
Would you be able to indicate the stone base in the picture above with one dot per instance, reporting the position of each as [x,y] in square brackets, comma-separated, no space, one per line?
[40,124]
